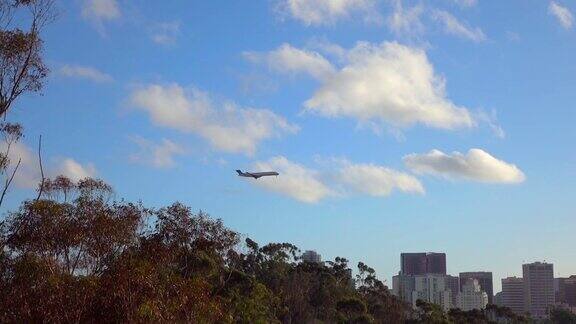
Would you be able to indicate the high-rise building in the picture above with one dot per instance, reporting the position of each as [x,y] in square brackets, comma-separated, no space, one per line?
[559,291]
[570,291]
[565,289]
[484,279]
[453,284]
[311,256]
[513,294]
[402,287]
[413,263]
[436,263]
[423,276]
[432,288]
[472,296]
[423,263]
[538,288]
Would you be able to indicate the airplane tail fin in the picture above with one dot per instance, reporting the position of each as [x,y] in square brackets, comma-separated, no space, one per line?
[239,172]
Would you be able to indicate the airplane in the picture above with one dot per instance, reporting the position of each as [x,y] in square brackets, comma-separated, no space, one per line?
[256,175]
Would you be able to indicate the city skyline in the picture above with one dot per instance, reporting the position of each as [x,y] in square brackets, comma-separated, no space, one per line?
[395,126]
[422,276]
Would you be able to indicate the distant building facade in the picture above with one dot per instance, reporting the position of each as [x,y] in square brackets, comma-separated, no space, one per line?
[422,263]
[559,291]
[498,299]
[453,284]
[513,294]
[565,290]
[436,263]
[472,296]
[403,286]
[484,279]
[432,288]
[538,288]
[413,263]
[311,256]
[570,291]
[423,276]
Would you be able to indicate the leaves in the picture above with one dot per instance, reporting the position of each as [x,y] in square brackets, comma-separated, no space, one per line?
[75,255]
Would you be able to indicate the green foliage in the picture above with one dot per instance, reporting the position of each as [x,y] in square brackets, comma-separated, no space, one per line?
[75,255]
[431,313]
[562,316]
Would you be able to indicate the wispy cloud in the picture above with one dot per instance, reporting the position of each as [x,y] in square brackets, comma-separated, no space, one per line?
[476,165]
[75,170]
[28,175]
[339,179]
[226,126]
[376,180]
[491,120]
[328,12]
[100,11]
[297,181]
[84,72]
[458,28]
[406,21]
[288,59]
[159,155]
[165,33]
[562,14]
[465,3]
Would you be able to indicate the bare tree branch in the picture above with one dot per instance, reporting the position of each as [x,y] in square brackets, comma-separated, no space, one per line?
[41,169]
[9,181]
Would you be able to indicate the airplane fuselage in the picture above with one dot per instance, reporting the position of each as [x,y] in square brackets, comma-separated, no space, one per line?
[256,175]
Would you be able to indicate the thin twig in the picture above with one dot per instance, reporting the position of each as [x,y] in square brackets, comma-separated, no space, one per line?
[9,181]
[41,168]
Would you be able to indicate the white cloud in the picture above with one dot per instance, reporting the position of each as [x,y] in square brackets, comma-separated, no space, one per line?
[28,175]
[406,21]
[74,170]
[100,10]
[158,155]
[226,126]
[466,3]
[84,72]
[455,27]
[328,48]
[342,178]
[166,33]
[476,165]
[377,180]
[327,12]
[288,59]
[295,180]
[491,119]
[390,83]
[561,13]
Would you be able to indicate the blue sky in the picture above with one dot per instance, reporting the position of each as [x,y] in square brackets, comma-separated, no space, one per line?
[408,126]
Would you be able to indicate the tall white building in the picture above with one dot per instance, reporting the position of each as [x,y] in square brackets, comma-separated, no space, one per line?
[538,288]
[402,287]
[472,296]
[432,288]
